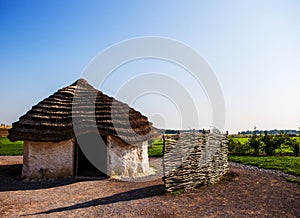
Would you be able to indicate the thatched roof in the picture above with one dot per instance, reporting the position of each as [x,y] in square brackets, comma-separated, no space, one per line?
[80,108]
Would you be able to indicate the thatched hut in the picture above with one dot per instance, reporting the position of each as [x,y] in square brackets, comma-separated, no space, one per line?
[63,132]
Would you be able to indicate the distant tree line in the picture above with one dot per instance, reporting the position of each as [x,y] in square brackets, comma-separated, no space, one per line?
[264,144]
[290,132]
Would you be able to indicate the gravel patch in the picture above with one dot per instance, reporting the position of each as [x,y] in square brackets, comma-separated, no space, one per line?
[270,171]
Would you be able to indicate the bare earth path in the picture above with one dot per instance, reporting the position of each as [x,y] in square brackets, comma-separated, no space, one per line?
[250,193]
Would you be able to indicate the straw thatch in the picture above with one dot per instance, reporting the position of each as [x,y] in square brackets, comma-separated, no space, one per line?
[80,108]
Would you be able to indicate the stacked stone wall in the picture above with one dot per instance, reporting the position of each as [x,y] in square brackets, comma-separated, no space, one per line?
[192,160]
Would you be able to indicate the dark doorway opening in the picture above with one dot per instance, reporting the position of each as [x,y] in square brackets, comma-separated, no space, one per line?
[82,165]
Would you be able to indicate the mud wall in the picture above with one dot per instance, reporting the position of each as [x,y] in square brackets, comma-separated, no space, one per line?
[48,159]
[127,161]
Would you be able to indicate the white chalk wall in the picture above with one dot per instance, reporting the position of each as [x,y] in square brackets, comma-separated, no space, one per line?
[127,161]
[48,159]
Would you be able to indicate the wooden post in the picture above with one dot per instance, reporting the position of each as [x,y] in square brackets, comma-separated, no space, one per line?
[75,169]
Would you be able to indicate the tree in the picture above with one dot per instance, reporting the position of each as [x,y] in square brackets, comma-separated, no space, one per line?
[272,142]
[255,142]
[294,145]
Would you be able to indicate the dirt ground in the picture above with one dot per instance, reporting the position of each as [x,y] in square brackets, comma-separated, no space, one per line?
[250,193]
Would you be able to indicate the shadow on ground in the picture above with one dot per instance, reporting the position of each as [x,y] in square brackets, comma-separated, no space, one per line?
[10,180]
[136,194]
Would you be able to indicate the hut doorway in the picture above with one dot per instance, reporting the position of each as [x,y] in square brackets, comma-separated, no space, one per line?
[82,165]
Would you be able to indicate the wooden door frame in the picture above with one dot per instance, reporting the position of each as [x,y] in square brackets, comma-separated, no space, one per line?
[75,161]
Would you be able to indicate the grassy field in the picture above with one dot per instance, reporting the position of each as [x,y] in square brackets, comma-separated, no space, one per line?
[10,148]
[156,149]
[286,164]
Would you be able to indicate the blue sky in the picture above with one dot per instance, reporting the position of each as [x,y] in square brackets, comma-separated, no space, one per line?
[252,46]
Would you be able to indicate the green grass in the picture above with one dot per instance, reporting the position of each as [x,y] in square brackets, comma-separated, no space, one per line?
[156,149]
[286,164]
[284,150]
[241,140]
[10,148]
[293,180]
[297,138]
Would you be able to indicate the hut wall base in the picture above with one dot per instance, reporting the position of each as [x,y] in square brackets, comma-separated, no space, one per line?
[128,161]
[48,159]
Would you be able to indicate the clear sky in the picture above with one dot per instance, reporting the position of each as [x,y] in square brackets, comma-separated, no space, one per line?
[252,46]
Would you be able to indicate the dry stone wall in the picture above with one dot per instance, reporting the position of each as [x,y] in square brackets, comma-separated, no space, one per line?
[192,160]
